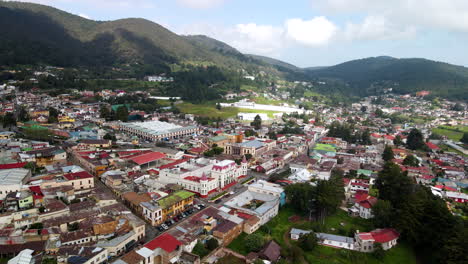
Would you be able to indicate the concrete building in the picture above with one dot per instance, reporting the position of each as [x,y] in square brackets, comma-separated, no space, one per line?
[263,206]
[157,130]
[265,187]
[12,180]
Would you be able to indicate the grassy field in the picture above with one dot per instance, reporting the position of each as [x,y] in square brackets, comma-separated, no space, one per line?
[452,132]
[328,255]
[263,100]
[339,223]
[209,110]
[450,149]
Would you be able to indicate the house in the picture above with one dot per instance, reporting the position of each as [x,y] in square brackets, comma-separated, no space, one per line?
[165,249]
[363,206]
[227,231]
[264,206]
[12,180]
[387,237]
[335,241]
[262,186]
[271,251]
[296,233]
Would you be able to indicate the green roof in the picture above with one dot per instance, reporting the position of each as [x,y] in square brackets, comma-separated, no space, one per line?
[115,107]
[35,127]
[174,198]
[325,147]
[218,138]
[365,172]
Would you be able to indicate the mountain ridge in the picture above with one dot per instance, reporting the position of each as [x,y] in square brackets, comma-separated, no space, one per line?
[38,34]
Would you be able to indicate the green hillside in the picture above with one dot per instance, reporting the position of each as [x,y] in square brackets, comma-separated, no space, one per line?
[38,34]
[372,75]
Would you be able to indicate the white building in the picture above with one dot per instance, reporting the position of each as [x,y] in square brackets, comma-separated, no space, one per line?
[335,241]
[251,116]
[204,176]
[263,206]
[365,241]
[12,180]
[157,130]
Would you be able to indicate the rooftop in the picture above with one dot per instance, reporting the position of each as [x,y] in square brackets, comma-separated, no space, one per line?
[13,176]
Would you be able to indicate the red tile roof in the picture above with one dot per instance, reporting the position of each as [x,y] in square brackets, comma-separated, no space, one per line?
[432,146]
[148,157]
[385,235]
[12,165]
[165,241]
[77,175]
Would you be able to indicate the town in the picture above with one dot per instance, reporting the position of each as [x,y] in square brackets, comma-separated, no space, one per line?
[126,177]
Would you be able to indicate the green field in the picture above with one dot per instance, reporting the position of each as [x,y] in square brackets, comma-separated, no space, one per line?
[452,132]
[339,223]
[263,100]
[327,255]
[209,110]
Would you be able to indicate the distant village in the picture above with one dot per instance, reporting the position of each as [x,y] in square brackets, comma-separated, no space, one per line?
[152,187]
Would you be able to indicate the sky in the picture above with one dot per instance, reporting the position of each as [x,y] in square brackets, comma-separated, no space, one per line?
[305,32]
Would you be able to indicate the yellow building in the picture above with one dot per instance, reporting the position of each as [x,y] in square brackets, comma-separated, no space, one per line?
[65,119]
[175,203]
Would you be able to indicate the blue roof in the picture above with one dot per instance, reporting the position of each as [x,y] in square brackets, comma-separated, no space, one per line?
[252,144]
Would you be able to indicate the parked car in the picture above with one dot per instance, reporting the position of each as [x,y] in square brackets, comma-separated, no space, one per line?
[160,228]
[165,226]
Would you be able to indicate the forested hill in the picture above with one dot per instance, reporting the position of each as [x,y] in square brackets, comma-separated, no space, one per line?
[38,34]
[373,75]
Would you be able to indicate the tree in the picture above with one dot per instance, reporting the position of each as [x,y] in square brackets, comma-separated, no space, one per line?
[53,115]
[254,242]
[109,136]
[458,107]
[363,108]
[23,114]
[464,139]
[411,160]
[379,113]
[387,154]
[122,113]
[250,133]
[393,185]
[365,138]
[104,112]
[383,213]
[257,123]
[200,250]
[308,241]
[415,140]
[9,120]
[379,252]
[212,244]
[300,196]
[398,141]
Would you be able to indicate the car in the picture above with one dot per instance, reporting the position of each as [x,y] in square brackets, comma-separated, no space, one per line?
[168,223]
[184,215]
[175,219]
[172,222]
[160,228]
[218,201]
[165,227]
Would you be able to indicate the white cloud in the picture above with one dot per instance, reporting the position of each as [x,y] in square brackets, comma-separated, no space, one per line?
[315,32]
[200,4]
[430,14]
[376,28]
[247,38]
